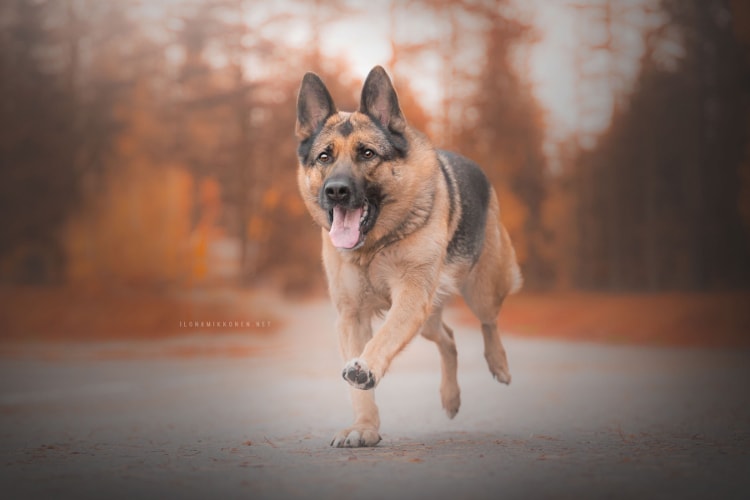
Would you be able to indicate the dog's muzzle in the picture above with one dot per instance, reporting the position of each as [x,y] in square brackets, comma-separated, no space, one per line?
[351,216]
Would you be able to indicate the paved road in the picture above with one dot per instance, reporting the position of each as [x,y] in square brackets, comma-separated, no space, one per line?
[579,421]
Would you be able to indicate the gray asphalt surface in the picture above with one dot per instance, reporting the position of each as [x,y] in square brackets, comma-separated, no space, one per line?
[579,421]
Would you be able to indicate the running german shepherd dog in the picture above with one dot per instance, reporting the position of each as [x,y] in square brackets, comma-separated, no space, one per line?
[404,227]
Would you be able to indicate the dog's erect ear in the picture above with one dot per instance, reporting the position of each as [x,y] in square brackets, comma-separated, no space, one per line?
[314,105]
[379,100]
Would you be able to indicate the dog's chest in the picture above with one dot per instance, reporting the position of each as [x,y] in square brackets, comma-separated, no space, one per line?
[377,283]
[376,287]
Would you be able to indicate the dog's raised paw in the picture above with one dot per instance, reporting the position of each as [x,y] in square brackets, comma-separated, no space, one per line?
[358,375]
[498,365]
[357,436]
[502,376]
[451,401]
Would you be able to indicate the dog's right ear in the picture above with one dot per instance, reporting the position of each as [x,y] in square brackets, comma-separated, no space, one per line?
[314,105]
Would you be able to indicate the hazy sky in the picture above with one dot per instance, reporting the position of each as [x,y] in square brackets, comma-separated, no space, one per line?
[360,30]
[551,63]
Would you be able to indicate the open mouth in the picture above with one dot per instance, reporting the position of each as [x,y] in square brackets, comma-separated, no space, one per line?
[350,225]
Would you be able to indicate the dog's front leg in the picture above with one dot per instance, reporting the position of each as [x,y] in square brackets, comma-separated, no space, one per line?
[354,333]
[411,305]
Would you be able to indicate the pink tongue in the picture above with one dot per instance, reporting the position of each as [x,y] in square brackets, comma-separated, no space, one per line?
[345,228]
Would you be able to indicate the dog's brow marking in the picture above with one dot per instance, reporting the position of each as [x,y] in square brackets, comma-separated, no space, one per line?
[346,128]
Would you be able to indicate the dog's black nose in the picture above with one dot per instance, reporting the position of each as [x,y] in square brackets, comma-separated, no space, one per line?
[338,190]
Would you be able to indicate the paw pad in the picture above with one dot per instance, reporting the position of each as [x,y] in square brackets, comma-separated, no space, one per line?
[357,374]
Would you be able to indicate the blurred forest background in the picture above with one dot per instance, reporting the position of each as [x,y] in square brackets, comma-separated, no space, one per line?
[147,150]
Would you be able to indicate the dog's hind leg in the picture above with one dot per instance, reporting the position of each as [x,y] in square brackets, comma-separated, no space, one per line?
[487,312]
[437,331]
[494,276]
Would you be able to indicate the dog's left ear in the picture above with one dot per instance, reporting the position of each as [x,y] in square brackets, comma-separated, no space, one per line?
[314,105]
[379,100]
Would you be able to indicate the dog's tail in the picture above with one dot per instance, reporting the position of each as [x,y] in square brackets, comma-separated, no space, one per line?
[513,277]
[516,278]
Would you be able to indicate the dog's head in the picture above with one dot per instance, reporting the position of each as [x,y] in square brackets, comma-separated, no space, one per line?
[350,163]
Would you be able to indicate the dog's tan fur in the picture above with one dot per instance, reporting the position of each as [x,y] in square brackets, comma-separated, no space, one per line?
[402,268]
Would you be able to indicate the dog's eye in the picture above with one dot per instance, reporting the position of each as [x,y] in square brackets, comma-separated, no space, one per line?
[324,157]
[368,154]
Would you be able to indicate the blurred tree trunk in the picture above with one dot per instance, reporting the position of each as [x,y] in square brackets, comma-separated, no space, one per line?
[37,147]
[667,169]
[508,140]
